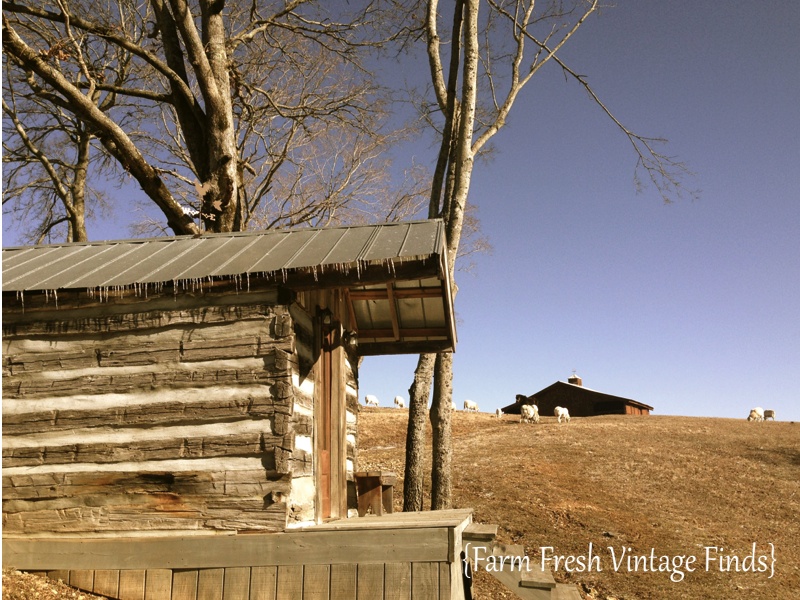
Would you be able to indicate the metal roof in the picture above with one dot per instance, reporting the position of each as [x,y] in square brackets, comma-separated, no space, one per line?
[400,302]
[132,262]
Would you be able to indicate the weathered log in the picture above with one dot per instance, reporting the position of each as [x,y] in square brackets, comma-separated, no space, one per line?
[244,444]
[97,382]
[42,486]
[147,512]
[89,304]
[258,404]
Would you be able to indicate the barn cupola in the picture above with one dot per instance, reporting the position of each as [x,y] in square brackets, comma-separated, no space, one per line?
[575,380]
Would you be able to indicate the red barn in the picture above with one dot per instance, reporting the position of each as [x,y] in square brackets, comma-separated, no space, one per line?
[579,400]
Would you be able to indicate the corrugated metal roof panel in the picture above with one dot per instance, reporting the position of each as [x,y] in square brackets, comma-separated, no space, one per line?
[95,269]
[347,246]
[387,245]
[39,265]
[200,258]
[146,258]
[132,262]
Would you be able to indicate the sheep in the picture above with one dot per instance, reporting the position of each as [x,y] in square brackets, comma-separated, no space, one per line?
[562,413]
[371,400]
[470,405]
[453,405]
[769,414]
[399,402]
[499,413]
[756,414]
[529,413]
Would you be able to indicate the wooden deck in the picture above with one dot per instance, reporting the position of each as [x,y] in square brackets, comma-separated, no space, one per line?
[400,555]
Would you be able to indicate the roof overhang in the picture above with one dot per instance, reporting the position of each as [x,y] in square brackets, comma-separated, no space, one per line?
[395,276]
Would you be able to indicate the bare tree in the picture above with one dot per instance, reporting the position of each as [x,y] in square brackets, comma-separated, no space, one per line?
[46,160]
[49,154]
[491,60]
[257,114]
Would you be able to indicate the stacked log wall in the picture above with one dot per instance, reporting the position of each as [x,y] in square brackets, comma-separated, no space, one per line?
[167,414]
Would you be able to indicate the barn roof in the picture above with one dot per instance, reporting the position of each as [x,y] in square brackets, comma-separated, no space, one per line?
[396,274]
[593,395]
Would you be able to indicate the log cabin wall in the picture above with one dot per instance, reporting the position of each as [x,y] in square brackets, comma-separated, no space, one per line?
[157,413]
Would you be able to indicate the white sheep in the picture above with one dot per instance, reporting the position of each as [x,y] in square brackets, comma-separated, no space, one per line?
[470,405]
[499,413]
[371,400]
[769,414]
[562,413]
[756,414]
[529,413]
[399,402]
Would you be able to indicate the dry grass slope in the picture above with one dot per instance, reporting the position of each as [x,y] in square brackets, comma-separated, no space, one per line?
[671,484]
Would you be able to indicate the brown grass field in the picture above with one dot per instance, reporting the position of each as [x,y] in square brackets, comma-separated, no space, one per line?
[671,484]
[667,485]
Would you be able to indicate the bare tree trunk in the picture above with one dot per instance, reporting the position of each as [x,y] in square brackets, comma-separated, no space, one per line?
[460,169]
[76,209]
[418,393]
[453,170]
[441,409]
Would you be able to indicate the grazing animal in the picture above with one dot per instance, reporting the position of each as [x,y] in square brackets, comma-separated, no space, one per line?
[756,414]
[529,413]
[399,402]
[562,413]
[769,414]
[453,405]
[371,400]
[471,405]
[499,413]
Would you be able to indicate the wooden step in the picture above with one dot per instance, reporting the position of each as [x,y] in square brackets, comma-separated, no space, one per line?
[566,591]
[537,578]
[480,532]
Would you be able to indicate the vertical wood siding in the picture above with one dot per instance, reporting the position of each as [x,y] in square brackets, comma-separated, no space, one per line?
[387,581]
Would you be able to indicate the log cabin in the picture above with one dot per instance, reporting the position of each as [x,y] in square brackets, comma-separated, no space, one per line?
[180,416]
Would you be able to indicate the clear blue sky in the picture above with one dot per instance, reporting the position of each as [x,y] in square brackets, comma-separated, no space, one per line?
[692,307]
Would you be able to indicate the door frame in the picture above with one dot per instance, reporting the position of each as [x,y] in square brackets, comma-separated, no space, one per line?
[330,421]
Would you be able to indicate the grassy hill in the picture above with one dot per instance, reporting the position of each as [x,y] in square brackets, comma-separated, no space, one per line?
[651,486]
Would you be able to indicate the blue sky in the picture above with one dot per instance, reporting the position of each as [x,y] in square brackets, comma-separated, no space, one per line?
[692,307]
